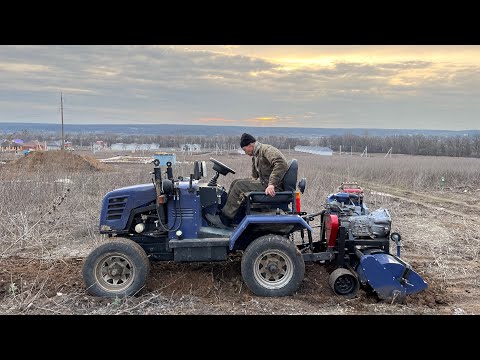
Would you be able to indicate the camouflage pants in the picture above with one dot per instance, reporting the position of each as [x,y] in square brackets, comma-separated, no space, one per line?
[236,195]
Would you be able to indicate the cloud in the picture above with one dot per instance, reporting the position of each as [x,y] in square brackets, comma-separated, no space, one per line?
[317,86]
[23,68]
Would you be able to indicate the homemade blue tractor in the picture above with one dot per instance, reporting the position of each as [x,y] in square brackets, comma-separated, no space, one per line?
[165,221]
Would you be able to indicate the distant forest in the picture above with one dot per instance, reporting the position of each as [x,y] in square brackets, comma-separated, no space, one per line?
[428,145]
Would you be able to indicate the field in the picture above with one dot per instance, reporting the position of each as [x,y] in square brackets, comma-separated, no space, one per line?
[49,211]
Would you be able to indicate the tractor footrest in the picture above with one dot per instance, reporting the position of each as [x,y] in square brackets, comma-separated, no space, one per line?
[213,232]
[207,249]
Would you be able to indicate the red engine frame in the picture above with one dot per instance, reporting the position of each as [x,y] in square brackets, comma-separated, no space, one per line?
[331,229]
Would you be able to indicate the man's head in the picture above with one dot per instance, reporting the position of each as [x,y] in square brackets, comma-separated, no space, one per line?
[247,143]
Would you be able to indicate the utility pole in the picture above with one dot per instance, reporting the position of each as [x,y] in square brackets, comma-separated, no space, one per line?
[61,110]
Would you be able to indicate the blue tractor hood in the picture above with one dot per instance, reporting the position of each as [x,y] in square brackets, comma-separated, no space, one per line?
[118,204]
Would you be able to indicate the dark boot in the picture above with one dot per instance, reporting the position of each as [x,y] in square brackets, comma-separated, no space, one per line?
[215,220]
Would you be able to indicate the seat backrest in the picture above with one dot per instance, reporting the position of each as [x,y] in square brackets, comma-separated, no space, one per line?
[290,177]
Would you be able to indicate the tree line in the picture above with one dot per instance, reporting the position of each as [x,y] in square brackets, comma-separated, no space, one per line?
[428,145]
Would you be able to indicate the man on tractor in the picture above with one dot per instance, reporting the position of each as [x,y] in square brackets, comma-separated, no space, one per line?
[269,166]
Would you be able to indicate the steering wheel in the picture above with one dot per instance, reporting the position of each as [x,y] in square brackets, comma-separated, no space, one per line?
[221,168]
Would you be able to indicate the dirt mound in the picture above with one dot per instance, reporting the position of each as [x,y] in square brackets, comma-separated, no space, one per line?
[57,160]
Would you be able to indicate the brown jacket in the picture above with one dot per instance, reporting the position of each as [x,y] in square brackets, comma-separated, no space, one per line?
[269,165]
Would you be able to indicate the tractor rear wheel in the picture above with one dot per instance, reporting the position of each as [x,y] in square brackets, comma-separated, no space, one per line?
[272,266]
[117,268]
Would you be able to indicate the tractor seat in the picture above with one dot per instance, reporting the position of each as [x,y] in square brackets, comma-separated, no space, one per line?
[281,197]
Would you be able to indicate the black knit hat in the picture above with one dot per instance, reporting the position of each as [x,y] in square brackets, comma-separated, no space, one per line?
[246,139]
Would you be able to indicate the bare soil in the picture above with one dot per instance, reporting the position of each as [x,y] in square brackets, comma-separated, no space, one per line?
[56,287]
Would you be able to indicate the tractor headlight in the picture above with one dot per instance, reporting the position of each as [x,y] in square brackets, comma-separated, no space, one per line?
[179,234]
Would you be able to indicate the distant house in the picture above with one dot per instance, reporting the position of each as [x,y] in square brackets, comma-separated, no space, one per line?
[99,145]
[33,145]
[57,145]
[7,145]
[54,145]
[190,147]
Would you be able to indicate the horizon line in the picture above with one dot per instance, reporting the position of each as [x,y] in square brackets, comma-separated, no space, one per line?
[245,126]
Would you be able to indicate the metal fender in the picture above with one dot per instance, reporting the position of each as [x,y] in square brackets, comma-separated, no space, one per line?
[266,219]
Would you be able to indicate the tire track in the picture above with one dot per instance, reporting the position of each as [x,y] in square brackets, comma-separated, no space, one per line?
[457,208]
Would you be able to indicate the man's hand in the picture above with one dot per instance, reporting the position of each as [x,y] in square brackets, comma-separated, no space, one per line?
[270,190]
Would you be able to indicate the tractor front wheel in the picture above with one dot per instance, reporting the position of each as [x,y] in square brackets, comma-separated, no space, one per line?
[272,266]
[117,268]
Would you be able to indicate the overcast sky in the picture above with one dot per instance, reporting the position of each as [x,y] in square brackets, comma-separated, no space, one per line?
[361,86]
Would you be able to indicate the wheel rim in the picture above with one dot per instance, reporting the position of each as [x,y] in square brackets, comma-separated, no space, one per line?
[273,269]
[114,272]
[345,284]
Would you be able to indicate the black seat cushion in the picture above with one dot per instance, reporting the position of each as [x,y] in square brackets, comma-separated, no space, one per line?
[260,197]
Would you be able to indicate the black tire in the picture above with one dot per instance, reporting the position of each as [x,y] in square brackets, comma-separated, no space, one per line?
[272,266]
[344,283]
[117,268]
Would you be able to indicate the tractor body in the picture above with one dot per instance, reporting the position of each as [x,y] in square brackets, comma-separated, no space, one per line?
[165,221]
